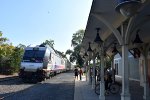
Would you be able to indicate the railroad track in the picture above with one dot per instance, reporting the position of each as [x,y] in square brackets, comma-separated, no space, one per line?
[8,78]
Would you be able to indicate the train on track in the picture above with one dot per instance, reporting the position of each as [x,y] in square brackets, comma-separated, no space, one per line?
[41,62]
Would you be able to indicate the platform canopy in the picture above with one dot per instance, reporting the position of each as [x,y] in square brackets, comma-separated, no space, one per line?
[104,16]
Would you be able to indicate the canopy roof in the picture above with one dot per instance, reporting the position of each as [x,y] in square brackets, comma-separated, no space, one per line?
[104,16]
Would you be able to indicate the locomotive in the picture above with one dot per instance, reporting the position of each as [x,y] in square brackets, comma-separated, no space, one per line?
[41,62]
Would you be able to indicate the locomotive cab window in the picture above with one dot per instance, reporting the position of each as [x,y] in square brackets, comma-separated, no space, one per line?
[33,55]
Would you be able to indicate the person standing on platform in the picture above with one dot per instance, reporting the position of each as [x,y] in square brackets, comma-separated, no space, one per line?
[76,73]
[80,73]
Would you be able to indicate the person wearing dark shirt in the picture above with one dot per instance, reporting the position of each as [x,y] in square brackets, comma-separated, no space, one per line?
[76,73]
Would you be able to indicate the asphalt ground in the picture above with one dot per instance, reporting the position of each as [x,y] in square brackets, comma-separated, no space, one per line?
[60,87]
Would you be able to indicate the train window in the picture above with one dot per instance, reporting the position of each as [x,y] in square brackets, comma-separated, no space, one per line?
[36,49]
[30,54]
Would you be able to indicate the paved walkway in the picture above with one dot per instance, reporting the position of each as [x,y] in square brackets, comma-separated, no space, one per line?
[84,91]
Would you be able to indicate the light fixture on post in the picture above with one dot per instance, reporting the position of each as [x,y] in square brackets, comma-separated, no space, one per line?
[128,7]
[89,50]
[98,40]
[137,38]
[85,54]
[115,49]
[83,57]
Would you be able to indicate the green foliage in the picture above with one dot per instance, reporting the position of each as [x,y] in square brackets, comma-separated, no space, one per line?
[2,39]
[21,46]
[76,43]
[77,66]
[49,43]
[61,53]
[10,57]
[77,38]
[69,51]
[16,58]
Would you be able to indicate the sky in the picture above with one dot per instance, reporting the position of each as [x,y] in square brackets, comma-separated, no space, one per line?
[31,22]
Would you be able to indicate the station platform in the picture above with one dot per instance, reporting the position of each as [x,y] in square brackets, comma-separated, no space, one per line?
[84,91]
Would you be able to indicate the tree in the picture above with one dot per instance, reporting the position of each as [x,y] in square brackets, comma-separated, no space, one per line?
[21,46]
[15,59]
[10,56]
[49,43]
[69,52]
[76,43]
[2,39]
[3,46]
[61,53]
[77,38]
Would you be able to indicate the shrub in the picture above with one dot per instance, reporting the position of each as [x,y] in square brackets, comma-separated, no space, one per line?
[10,58]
